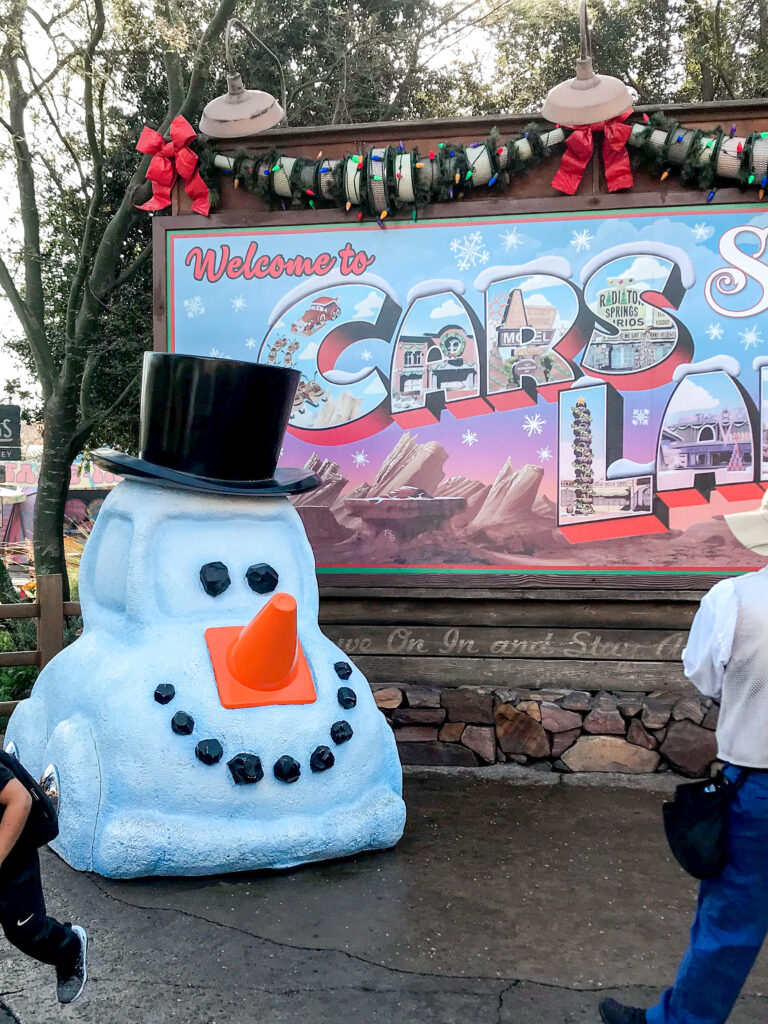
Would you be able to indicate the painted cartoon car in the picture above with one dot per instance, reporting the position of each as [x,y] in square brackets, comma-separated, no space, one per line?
[319,313]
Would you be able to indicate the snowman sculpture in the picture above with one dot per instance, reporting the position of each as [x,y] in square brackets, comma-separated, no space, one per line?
[202,723]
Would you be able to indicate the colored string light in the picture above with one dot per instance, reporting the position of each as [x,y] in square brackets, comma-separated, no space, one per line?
[493,180]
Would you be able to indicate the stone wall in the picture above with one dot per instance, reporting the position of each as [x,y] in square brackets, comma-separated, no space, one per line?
[561,730]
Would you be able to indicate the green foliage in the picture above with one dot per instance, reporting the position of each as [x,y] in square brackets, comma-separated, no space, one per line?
[15,683]
[669,51]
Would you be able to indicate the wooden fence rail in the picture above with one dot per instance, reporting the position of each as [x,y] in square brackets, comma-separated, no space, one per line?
[49,611]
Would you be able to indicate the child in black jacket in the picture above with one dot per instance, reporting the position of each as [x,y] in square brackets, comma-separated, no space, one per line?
[22,905]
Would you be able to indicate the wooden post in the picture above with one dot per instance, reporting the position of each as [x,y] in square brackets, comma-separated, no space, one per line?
[50,627]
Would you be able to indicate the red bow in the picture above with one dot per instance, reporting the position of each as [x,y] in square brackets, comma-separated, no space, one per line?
[580,147]
[170,160]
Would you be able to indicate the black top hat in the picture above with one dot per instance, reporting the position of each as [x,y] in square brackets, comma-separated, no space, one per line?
[212,425]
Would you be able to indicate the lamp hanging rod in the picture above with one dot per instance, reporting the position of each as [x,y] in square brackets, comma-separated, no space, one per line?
[236,23]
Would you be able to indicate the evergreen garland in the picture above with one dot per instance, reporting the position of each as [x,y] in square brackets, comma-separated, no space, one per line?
[450,169]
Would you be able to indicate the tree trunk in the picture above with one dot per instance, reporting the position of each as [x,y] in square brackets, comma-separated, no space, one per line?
[61,446]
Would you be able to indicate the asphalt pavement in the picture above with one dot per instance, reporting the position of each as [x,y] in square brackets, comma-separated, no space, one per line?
[515,897]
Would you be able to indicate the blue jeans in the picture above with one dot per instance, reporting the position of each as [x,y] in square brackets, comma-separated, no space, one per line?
[731,919]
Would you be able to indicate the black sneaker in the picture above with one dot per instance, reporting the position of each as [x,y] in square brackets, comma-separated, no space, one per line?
[612,1012]
[70,986]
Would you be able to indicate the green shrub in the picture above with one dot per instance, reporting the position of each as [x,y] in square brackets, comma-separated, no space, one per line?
[15,683]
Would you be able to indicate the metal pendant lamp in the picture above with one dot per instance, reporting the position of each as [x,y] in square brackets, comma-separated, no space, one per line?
[243,112]
[588,98]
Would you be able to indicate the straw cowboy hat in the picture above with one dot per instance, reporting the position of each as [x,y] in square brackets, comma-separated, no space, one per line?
[751,528]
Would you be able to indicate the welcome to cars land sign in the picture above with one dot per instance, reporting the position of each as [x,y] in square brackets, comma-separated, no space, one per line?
[583,393]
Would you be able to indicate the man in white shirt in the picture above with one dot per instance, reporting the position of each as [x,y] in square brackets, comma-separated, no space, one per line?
[727,659]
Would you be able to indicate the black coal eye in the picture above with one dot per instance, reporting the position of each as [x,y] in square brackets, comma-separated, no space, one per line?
[215,578]
[262,578]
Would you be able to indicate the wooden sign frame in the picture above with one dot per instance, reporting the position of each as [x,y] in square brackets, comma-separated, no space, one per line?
[242,209]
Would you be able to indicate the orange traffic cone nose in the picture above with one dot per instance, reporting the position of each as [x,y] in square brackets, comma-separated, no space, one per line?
[262,663]
[265,654]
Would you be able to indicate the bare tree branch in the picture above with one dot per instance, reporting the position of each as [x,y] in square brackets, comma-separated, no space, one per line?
[129,271]
[171,60]
[55,122]
[34,296]
[86,426]
[97,163]
[34,331]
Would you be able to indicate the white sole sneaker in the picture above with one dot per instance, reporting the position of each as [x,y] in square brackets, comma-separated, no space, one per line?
[69,995]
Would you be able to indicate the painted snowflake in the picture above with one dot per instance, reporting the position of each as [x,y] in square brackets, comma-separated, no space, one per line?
[238,304]
[750,337]
[701,232]
[582,240]
[641,417]
[251,343]
[217,354]
[544,454]
[512,240]
[366,355]
[714,332]
[194,307]
[469,437]
[360,458]
[533,424]
[470,251]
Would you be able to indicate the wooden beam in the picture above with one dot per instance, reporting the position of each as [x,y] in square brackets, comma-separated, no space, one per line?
[12,659]
[7,707]
[482,611]
[19,611]
[50,627]
[524,673]
[460,641]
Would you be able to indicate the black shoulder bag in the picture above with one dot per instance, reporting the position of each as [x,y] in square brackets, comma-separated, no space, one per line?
[696,823]
[43,822]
